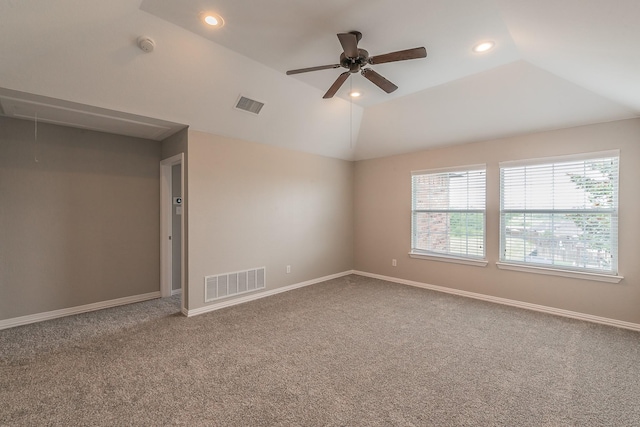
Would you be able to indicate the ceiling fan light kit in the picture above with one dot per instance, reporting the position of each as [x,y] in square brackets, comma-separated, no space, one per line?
[355,59]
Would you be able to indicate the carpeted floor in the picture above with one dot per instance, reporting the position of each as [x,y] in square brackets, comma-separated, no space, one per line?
[348,352]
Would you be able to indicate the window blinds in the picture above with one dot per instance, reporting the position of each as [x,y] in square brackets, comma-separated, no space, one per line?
[448,212]
[561,213]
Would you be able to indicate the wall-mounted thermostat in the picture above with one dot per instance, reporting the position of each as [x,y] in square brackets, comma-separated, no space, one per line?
[177,200]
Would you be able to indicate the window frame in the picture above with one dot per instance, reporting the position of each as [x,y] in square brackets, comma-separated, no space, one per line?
[479,261]
[573,272]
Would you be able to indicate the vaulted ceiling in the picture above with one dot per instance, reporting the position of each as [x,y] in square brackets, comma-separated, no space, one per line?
[555,64]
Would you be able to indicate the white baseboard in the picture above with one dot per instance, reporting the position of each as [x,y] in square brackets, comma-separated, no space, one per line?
[39,317]
[513,303]
[258,295]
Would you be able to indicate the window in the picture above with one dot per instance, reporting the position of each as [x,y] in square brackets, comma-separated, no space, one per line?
[448,214]
[561,213]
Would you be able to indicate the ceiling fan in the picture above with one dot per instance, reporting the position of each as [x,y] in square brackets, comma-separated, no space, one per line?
[355,59]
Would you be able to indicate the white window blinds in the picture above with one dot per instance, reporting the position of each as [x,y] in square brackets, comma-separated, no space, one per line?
[448,212]
[561,213]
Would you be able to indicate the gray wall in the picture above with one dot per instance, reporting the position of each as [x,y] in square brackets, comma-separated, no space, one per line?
[79,225]
[175,144]
[383,221]
[253,205]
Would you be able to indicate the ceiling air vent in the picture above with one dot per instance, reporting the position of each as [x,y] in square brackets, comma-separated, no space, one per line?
[249,105]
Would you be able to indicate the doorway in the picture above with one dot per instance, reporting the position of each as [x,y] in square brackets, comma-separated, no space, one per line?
[171,228]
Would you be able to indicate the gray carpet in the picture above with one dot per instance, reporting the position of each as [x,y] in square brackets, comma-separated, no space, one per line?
[348,352]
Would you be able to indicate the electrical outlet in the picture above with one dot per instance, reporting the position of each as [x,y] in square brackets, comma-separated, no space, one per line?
[394,263]
[288,269]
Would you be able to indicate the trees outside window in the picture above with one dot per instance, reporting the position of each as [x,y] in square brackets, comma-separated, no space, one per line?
[562,213]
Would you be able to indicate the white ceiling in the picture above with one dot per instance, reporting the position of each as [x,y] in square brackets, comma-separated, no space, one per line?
[556,64]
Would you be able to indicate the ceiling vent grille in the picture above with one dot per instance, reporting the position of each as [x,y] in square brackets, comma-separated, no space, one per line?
[249,105]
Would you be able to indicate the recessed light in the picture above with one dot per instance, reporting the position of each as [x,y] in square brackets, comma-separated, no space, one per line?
[483,47]
[355,94]
[213,19]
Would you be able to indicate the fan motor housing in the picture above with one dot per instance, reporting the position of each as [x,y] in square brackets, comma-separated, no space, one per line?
[354,64]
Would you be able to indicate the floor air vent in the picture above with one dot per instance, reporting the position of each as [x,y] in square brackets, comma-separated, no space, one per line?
[230,284]
[250,105]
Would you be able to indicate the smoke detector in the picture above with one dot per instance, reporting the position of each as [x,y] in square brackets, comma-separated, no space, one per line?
[146,44]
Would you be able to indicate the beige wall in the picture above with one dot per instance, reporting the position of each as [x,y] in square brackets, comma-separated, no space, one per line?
[383,221]
[253,205]
[80,224]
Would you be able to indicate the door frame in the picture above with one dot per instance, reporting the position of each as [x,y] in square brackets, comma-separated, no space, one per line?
[166,208]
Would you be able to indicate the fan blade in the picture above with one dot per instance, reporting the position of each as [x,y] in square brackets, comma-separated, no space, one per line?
[349,42]
[306,70]
[401,55]
[336,85]
[379,81]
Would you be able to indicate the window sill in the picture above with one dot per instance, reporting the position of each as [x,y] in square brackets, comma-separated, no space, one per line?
[455,260]
[609,278]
